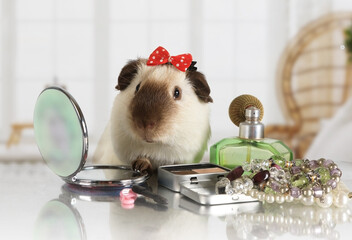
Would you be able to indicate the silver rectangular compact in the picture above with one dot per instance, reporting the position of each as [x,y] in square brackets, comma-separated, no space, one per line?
[197,182]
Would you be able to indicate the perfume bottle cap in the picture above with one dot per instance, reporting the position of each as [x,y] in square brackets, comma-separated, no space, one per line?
[252,128]
[252,114]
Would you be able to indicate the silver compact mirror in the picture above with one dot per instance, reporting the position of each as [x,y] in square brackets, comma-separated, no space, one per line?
[62,138]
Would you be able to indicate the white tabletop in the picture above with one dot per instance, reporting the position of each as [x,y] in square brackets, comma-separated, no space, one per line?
[35,205]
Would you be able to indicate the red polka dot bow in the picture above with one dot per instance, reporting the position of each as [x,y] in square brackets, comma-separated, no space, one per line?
[162,56]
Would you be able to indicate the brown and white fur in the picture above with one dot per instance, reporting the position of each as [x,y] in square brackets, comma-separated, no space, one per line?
[160,116]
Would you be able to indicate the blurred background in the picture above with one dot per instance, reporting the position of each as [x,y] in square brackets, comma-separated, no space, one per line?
[242,46]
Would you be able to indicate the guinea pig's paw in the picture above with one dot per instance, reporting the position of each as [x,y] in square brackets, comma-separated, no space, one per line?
[142,164]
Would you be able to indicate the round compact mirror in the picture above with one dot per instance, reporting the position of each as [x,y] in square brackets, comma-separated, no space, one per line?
[62,138]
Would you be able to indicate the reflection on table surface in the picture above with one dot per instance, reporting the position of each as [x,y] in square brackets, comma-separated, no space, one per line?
[50,209]
[239,221]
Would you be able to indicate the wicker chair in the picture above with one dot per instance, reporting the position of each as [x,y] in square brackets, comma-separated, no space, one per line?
[314,79]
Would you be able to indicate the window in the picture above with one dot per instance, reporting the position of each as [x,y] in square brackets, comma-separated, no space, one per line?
[54,45]
[83,44]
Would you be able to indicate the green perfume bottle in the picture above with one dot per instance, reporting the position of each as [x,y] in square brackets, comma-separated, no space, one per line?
[246,111]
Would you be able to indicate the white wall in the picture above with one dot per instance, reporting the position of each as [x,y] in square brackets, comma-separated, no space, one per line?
[85,43]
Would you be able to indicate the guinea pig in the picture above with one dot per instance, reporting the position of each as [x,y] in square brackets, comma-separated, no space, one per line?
[160,116]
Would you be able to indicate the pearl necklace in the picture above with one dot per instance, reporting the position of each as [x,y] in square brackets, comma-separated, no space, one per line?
[278,180]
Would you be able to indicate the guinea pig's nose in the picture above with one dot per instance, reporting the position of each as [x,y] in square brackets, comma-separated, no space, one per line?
[145,124]
[150,124]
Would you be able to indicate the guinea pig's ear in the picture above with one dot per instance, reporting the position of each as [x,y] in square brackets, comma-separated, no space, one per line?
[127,74]
[200,85]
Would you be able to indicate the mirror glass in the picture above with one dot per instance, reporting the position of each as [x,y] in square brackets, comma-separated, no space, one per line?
[60,131]
[108,174]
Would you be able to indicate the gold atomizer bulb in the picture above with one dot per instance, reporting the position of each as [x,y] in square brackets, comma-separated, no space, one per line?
[238,106]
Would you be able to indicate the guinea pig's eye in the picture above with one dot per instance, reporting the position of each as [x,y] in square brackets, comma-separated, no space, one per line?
[137,87]
[177,93]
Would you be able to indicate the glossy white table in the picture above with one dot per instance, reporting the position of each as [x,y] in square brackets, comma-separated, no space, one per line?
[35,204]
